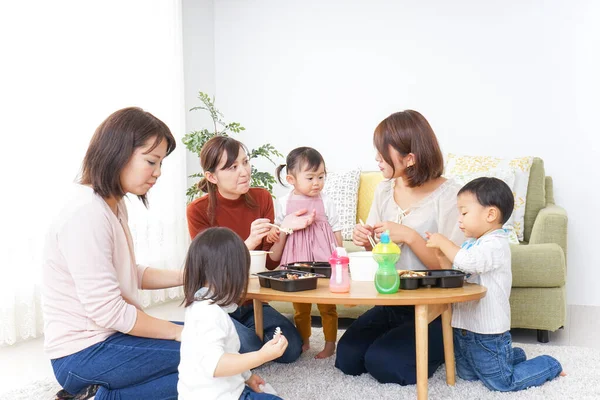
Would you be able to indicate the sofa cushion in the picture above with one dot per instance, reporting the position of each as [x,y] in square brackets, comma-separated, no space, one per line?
[342,188]
[536,195]
[366,192]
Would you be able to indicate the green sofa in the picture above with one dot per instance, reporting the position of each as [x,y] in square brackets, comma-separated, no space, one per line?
[538,298]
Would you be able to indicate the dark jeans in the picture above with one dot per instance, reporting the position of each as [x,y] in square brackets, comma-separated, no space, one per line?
[382,343]
[493,360]
[249,394]
[126,367]
[243,319]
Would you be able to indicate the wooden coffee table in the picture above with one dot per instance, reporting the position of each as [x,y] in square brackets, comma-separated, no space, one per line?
[429,304]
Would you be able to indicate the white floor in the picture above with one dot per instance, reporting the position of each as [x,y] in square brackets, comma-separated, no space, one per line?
[25,362]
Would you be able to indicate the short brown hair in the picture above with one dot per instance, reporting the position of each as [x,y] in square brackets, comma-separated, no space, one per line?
[210,156]
[219,260]
[113,144]
[409,132]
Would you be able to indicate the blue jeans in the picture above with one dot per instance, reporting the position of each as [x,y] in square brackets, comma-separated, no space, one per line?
[493,360]
[249,394]
[126,367]
[243,319]
[382,343]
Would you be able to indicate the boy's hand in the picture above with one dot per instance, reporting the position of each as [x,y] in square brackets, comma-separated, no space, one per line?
[273,236]
[274,348]
[254,382]
[435,240]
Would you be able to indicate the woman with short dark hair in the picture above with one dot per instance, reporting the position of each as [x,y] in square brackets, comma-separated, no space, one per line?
[413,199]
[95,330]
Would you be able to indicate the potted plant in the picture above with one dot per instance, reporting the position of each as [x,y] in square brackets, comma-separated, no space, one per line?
[194,141]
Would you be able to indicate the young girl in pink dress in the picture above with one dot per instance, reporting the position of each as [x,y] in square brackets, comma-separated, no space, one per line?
[306,172]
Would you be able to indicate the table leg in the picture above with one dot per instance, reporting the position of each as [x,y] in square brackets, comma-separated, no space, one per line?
[258,318]
[448,345]
[421,332]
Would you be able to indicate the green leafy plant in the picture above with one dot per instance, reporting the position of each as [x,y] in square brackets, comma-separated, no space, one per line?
[194,141]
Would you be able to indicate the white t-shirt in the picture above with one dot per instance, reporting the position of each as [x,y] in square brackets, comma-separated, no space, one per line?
[488,260]
[436,213]
[208,333]
[331,213]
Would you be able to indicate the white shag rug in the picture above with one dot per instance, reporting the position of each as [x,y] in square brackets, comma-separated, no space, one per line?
[311,379]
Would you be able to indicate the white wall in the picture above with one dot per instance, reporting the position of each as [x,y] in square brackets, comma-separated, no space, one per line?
[65,67]
[198,65]
[496,78]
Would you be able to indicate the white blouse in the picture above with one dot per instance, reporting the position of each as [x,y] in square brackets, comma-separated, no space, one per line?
[436,213]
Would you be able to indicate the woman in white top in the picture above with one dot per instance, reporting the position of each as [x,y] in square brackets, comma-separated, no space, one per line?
[95,330]
[413,199]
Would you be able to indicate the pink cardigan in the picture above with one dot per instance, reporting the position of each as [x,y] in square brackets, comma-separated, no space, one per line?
[90,277]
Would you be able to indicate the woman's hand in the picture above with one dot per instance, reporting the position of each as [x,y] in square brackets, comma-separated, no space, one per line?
[299,220]
[254,382]
[360,236]
[398,233]
[258,230]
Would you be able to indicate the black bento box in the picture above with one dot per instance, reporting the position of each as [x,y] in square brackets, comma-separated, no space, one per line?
[316,267]
[442,278]
[277,280]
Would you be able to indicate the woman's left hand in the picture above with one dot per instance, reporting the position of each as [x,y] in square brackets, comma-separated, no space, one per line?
[398,233]
[254,382]
[299,220]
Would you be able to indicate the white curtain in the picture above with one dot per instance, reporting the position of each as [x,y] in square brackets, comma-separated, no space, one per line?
[66,66]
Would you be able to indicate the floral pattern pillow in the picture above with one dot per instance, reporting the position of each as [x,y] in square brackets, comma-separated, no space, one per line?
[342,188]
[471,167]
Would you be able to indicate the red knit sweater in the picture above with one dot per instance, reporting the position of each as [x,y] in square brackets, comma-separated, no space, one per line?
[233,214]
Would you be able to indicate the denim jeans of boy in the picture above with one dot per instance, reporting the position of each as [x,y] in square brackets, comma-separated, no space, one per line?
[243,320]
[126,367]
[493,360]
[249,394]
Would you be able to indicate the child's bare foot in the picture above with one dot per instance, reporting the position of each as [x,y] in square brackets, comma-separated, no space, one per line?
[563,373]
[327,351]
[306,345]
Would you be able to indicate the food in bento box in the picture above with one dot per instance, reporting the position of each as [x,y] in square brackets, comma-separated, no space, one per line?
[297,276]
[410,274]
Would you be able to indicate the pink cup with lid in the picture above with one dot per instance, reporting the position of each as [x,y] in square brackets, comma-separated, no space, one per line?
[340,278]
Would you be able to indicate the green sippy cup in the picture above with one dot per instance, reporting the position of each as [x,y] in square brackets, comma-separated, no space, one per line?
[386,253]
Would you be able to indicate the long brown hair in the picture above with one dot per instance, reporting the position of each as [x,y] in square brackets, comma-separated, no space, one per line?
[219,260]
[113,144]
[409,132]
[210,156]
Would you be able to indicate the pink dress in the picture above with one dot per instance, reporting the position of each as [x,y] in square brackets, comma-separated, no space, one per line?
[314,243]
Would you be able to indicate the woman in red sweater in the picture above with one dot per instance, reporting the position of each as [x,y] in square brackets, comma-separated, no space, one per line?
[231,202]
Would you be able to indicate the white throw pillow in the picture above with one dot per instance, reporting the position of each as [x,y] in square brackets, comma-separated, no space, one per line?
[465,166]
[342,188]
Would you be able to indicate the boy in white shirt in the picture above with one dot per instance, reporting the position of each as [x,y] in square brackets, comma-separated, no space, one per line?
[482,342]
